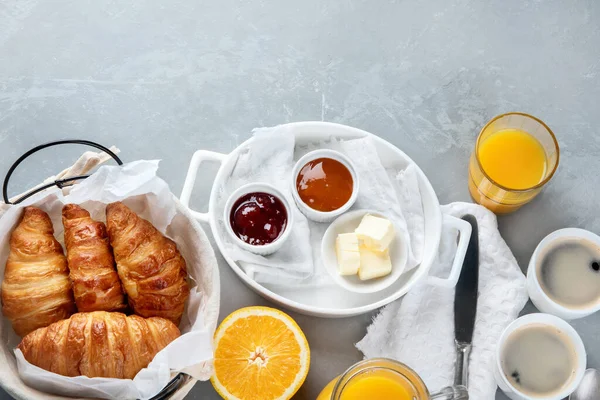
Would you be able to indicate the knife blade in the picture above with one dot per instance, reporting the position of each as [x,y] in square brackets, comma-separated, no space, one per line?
[465,304]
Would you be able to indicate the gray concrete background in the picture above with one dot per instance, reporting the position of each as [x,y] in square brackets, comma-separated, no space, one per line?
[162,79]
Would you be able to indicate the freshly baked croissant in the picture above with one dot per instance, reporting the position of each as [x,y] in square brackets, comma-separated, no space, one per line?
[96,284]
[36,290]
[98,344]
[151,268]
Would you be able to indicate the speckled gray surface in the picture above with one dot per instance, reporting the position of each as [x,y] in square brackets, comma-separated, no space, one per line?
[162,79]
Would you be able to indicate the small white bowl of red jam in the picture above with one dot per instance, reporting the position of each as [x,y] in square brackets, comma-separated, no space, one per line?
[258,218]
[324,184]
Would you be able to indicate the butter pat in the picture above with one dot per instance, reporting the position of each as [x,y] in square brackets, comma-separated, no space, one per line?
[348,255]
[375,233]
[373,264]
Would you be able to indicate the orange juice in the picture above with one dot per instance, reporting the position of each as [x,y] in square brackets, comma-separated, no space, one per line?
[516,154]
[513,158]
[381,385]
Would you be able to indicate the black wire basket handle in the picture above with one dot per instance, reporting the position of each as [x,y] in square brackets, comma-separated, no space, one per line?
[178,381]
[59,182]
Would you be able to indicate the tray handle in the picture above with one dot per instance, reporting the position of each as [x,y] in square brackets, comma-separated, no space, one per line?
[198,158]
[59,182]
[464,234]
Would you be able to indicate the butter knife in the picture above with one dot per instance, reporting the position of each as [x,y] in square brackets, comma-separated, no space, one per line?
[465,305]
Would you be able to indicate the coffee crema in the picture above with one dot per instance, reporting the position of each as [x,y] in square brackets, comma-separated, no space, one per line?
[539,360]
[569,272]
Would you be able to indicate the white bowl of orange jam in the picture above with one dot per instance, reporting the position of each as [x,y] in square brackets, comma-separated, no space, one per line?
[324,184]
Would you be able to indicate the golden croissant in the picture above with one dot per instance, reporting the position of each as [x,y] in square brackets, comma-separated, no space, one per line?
[96,284]
[152,270]
[98,344]
[36,290]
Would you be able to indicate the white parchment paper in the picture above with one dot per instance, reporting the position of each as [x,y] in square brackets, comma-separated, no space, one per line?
[137,185]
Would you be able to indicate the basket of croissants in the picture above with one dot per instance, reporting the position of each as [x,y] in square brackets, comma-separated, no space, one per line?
[110,288]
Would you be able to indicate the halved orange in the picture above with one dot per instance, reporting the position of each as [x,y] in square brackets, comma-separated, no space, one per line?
[260,354]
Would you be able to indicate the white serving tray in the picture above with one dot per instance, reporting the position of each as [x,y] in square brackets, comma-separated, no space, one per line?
[333,301]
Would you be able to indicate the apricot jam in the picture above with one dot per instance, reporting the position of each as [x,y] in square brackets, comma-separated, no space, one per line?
[324,184]
[258,218]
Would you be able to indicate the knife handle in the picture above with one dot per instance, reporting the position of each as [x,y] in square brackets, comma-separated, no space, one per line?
[463,350]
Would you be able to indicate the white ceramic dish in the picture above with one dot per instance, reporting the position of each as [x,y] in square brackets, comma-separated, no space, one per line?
[334,301]
[311,213]
[541,300]
[264,188]
[348,223]
[540,319]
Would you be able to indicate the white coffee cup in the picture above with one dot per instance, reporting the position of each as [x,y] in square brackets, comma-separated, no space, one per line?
[540,319]
[537,295]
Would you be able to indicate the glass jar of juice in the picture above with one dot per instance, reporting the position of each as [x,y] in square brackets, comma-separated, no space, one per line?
[383,379]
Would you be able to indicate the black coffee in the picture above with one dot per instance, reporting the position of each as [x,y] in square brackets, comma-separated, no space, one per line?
[539,360]
[569,272]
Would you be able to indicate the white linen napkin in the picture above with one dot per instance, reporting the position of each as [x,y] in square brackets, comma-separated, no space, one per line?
[270,158]
[418,329]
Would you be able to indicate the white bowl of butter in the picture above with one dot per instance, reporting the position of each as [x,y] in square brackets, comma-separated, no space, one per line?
[382,254]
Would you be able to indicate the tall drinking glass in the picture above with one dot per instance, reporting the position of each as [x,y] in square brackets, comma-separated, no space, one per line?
[515,156]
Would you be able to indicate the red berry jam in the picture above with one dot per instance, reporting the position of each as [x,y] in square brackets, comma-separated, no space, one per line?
[258,218]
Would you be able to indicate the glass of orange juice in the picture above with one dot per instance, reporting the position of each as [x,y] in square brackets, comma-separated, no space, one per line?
[382,378]
[515,156]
